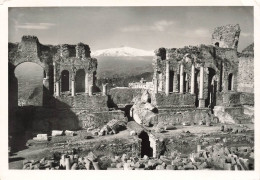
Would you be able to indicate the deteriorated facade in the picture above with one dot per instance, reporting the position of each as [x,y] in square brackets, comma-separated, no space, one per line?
[71,99]
[205,77]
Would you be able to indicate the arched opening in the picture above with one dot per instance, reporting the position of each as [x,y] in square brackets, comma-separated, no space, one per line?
[145,145]
[196,87]
[171,81]
[217,44]
[30,84]
[44,74]
[212,89]
[80,80]
[230,82]
[65,81]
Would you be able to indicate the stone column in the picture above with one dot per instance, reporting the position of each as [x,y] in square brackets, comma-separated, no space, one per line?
[175,82]
[57,85]
[192,83]
[54,78]
[90,90]
[73,87]
[104,89]
[167,78]
[181,78]
[201,97]
[86,82]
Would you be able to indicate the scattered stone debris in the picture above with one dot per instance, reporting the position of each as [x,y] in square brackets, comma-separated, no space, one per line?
[217,156]
[112,127]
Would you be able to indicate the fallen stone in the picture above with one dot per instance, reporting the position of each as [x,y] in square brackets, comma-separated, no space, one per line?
[169,127]
[160,167]
[57,133]
[41,137]
[132,133]
[69,133]
[186,123]
[119,165]
[91,156]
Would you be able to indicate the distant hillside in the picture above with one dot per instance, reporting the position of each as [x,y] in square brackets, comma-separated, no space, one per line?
[111,67]
[123,81]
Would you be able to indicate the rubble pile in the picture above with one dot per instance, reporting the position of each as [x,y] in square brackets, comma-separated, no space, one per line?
[112,127]
[217,156]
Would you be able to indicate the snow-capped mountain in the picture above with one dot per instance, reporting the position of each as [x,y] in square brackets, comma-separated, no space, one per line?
[122,51]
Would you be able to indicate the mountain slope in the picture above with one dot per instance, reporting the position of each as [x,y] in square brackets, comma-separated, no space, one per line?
[122,51]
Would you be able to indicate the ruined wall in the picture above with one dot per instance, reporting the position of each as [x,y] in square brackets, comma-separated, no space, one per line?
[123,95]
[161,100]
[226,36]
[246,74]
[98,119]
[180,116]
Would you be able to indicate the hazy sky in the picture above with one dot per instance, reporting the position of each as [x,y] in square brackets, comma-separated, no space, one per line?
[146,28]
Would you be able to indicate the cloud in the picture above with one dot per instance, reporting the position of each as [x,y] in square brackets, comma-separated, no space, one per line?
[156,26]
[38,26]
[245,34]
[199,32]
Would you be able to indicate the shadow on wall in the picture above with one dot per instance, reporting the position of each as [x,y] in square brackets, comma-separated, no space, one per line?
[26,121]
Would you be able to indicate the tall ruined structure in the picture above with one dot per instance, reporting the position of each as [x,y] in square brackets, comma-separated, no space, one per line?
[71,99]
[205,82]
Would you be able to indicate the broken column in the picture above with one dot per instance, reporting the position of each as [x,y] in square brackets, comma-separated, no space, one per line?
[167,77]
[201,91]
[73,87]
[181,78]
[192,85]
[90,90]
[104,89]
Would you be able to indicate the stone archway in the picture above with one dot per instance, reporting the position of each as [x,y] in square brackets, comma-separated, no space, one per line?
[65,81]
[80,80]
[30,84]
[212,88]
[145,145]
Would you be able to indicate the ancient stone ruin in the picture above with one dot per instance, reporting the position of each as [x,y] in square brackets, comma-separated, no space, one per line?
[199,98]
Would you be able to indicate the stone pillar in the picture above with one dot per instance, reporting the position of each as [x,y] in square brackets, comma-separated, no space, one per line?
[192,83]
[90,90]
[181,78]
[57,85]
[104,89]
[167,78]
[73,87]
[175,82]
[86,82]
[201,91]
[54,78]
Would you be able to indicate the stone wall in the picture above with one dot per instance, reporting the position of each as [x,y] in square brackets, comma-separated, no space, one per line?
[178,117]
[95,103]
[123,95]
[246,74]
[98,119]
[116,146]
[175,99]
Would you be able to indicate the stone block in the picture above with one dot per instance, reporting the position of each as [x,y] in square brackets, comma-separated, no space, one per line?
[57,133]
